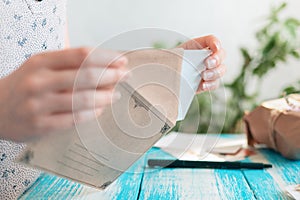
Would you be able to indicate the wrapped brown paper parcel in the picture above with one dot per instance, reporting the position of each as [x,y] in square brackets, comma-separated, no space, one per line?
[275,124]
[97,152]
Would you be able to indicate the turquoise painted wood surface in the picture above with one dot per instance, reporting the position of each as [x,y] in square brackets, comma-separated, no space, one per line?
[52,187]
[269,184]
[142,182]
[193,183]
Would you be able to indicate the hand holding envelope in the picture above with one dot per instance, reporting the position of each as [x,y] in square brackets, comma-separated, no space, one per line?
[215,67]
[153,99]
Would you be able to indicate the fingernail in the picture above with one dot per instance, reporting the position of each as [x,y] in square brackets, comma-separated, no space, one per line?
[208,75]
[116,96]
[218,45]
[209,85]
[211,63]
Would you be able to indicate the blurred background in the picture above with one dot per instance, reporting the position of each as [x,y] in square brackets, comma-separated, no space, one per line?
[267,30]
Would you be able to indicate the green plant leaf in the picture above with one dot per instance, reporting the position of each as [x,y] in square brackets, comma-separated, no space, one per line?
[277,10]
[159,45]
[246,56]
[295,54]
[289,90]
[292,25]
[270,44]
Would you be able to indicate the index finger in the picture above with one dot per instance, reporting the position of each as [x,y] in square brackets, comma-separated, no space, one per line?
[75,58]
[209,41]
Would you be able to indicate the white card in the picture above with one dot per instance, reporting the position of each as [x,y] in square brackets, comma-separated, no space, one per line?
[192,66]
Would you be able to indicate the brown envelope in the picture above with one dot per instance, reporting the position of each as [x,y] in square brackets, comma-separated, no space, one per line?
[98,151]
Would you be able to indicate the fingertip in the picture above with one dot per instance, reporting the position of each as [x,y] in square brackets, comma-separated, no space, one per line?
[123,60]
[120,62]
[217,44]
[212,43]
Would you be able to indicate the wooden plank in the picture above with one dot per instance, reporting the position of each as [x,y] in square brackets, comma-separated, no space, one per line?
[52,187]
[233,185]
[263,185]
[192,183]
[271,183]
[289,170]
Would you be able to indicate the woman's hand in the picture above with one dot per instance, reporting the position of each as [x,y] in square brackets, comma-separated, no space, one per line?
[51,89]
[214,63]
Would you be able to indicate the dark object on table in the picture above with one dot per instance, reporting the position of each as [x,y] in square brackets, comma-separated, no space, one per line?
[205,164]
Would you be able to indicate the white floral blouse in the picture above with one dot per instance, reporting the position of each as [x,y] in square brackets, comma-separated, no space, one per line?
[27,27]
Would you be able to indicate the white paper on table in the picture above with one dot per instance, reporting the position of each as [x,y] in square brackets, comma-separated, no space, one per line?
[293,191]
[192,66]
[187,146]
[231,147]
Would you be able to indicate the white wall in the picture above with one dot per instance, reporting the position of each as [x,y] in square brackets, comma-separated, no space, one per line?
[93,21]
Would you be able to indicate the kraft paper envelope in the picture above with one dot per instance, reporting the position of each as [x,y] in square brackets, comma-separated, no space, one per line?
[97,152]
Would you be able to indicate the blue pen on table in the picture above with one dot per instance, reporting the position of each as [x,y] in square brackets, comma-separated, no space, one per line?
[205,164]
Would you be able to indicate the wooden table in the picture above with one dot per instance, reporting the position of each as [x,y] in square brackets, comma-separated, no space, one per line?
[141,182]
